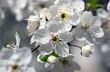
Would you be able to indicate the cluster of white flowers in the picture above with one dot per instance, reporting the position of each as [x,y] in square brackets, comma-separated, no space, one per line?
[53,25]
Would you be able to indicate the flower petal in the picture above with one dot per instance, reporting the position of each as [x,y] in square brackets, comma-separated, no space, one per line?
[66,37]
[108,6]
[41,36]
[97,32]
[3,69]
[102,13]
[22,56]
[5,54]
[45,49]
[79,5]
[62,49]
[54,26]
[17,39]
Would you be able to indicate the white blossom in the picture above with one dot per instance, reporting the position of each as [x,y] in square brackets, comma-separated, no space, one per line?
[15,61]
[87,50]
[65,15]
[89,27]
[104,14]
[18,7]
[52,39]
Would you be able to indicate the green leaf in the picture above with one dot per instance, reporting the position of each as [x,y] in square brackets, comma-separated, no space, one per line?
[91,4]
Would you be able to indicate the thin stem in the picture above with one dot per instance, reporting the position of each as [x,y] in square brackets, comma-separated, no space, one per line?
[35,48]
[74,45]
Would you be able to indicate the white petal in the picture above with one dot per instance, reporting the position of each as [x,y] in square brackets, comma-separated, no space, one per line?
[3,69]
[17,3]
[79,5]
[66,37]
[54,26]
[41,36]
[79,33]
[26,56]
[22,56]
[102,13]
[5,54]
[108,6]
[2,14]
[59,2]
[87,18]
[45,49]
[33,23]
[70,57]
[18,13]
[62,49]
[82,35]
[17,39]
[75,19]
[97,32]
[53,11]
[66,27]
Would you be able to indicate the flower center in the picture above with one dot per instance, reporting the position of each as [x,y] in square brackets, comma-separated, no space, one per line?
[42,5]
[54,39]
[86,27]
[15,67]
[63,15]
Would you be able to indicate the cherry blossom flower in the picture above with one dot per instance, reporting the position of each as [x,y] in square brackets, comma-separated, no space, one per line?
[89,27]
[52,39]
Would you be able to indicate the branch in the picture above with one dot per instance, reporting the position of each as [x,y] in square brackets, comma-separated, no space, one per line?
[35,48]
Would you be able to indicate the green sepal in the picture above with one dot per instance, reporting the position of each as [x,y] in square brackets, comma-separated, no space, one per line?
[43,58]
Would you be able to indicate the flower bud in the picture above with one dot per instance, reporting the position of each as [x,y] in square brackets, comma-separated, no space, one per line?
[87,50]
[51,59]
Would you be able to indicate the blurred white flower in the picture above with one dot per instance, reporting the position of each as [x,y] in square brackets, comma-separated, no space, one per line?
[2,14]
[105,15]
[38,5]
[87,50]
[20,8]
[89,27]
[16,61]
